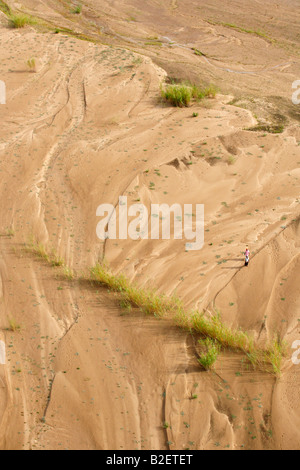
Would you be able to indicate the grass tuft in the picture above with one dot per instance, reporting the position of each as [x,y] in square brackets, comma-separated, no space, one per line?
[68,273]
[19,20]
[13,325]
[182,94]
[31,65]
[209,355]
[77,10]
[178,95]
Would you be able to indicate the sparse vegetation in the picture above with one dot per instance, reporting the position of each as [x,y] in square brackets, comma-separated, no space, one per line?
[217,334]
[40,251]
[9,232]
[241,29]
[270,128]
[153,43]
[268,359]
[147,300]
[125,307]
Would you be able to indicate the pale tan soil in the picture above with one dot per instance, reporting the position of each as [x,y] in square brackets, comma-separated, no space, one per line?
[89,126]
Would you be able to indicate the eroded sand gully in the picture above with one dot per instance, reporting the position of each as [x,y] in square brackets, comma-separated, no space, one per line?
[84,129]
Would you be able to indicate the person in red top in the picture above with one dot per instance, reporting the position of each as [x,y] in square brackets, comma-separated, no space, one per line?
[247,256]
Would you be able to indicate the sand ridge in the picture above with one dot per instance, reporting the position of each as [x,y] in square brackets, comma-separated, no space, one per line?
[84,129]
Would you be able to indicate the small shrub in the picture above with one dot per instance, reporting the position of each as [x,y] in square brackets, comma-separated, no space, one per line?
[31,65]
[77,10]
[211,351]
[56,260]
[178,95]
[231,160]
[182,94]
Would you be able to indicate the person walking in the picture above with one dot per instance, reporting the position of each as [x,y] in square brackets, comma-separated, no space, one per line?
[247,256]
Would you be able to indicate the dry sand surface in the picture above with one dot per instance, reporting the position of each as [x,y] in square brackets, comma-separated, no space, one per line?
[88,126]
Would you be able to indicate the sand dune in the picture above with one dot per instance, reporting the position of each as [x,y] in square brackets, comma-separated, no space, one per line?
[88,126]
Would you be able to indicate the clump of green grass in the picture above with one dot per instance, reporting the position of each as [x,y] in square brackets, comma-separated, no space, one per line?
[39,250]
[68,273]
[13,325]
[198,52]
[182,320]
[199,93]
[77,10]
[31,65]
[181,94]
[231,160]
[56,260]
[178,95]
[275,353]
[20,20]
[210,352]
